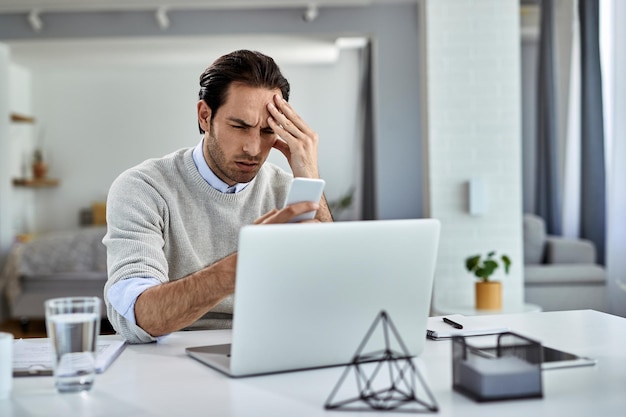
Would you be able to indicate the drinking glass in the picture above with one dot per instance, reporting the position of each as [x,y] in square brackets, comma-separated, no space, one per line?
[73,325]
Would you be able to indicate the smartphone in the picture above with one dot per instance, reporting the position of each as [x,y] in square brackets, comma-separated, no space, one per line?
[304,189]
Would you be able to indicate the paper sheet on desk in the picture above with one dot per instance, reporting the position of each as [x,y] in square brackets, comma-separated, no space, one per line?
[437,329]
[33,357]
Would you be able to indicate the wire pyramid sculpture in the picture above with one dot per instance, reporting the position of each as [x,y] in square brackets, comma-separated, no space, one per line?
[386,380]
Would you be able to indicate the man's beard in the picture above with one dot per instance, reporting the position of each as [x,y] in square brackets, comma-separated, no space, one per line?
[226,170]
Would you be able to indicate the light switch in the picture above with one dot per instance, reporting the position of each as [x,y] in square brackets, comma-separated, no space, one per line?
[477,197]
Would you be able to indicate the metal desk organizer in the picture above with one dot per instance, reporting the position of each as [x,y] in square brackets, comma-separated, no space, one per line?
[509,369]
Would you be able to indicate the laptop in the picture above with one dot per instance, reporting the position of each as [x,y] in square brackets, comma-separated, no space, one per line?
[307,294]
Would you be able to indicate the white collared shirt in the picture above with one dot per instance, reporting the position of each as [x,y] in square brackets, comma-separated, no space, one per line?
[210,177]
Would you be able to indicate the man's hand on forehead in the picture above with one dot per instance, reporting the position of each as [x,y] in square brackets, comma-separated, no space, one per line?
[296,140]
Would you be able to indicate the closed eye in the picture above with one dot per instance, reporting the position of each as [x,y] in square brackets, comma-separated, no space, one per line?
[238,123]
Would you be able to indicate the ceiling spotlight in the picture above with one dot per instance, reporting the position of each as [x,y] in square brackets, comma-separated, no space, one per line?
[35,20]
[310,14]
[162,18]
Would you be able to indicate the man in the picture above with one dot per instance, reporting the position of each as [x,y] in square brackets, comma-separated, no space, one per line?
[173,222]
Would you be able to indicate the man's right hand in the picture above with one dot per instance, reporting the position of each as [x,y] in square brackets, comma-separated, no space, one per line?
[285,214]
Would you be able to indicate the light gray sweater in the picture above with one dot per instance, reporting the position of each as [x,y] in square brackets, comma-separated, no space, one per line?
[165,221]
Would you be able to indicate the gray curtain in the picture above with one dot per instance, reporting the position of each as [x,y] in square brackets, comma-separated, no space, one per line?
[547,188]
[368,185]
[593,188]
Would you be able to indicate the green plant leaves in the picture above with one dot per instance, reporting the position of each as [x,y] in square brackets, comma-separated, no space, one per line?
[484,268]
[472,262]
[507,263]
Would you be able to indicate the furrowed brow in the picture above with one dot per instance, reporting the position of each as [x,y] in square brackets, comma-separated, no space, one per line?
[239,122]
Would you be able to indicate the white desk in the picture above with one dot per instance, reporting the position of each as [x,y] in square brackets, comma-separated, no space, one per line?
[160,380]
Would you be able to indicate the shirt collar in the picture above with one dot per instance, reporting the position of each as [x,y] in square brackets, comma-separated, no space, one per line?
[209,176]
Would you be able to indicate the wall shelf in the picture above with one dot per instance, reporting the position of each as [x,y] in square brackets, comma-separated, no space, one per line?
[21,118]
[35,183]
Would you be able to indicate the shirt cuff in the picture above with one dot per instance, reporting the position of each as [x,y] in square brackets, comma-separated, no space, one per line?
[123,295]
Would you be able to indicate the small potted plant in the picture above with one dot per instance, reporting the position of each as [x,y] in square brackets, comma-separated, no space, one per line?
[40,168]
[488,293]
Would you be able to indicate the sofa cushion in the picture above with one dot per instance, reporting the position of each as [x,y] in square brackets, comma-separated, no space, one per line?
[564,275]
[560,250]
[534,239]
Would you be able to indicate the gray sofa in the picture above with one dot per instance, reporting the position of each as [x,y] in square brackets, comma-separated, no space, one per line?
[56,264]
[561,273]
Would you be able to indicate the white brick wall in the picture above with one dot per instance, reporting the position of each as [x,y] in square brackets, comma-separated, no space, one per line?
[472,97]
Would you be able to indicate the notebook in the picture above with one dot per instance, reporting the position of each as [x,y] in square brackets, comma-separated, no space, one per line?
[33,357]
[307,294]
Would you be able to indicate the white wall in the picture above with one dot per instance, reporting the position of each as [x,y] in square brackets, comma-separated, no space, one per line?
[23,139]
[473,130]
[100,121]
[16,144]
[6,232]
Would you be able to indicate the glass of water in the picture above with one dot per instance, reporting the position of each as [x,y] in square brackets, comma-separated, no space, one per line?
[73,325]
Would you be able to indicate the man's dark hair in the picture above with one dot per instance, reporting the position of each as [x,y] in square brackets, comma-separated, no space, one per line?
[251,68]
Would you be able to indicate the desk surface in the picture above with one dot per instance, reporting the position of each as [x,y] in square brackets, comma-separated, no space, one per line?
[159,379]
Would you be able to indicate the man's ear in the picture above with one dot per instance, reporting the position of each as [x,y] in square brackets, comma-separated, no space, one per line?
[204,115]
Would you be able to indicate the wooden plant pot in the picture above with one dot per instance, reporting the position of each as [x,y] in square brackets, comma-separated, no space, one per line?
[40,170]
[488,295]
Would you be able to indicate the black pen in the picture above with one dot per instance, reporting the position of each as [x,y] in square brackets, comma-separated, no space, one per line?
[453,323]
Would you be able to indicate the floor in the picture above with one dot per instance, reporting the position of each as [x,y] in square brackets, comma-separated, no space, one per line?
[37,328]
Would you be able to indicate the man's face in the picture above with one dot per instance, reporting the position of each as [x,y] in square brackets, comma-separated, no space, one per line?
[240,139]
